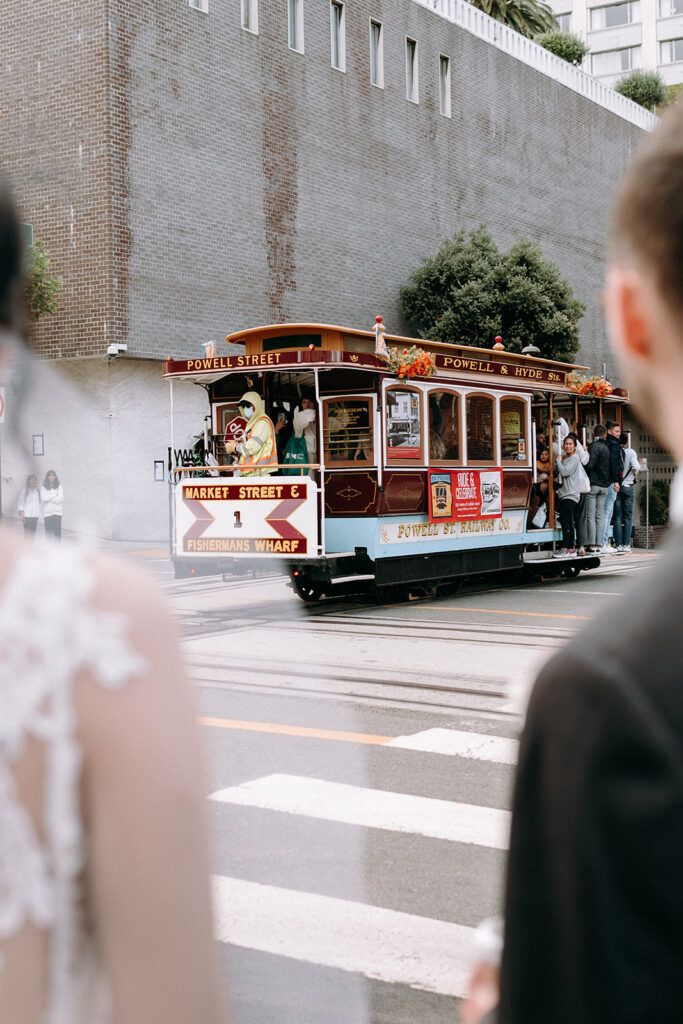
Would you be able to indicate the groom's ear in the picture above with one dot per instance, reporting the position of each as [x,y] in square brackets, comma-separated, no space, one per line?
[628,313]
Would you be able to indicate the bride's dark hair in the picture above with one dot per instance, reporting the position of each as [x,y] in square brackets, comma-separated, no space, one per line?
[11,249]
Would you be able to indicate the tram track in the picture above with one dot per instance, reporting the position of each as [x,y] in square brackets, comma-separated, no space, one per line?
[202,626]
[361,633]
[364,690]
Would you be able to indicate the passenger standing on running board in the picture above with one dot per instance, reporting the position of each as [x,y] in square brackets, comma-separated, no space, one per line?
[615,463]
[599,476]
[568,466]
[623,506]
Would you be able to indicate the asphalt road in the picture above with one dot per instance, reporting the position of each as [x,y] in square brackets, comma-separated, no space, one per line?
[361,768]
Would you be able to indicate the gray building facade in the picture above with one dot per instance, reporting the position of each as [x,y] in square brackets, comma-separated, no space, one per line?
[190,177]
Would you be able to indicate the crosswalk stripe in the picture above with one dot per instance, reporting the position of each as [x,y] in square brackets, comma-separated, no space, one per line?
[386,945]
[373,808]
[452,742]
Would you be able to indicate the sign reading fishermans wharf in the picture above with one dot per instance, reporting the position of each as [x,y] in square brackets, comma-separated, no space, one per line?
[493,368]
[246,517]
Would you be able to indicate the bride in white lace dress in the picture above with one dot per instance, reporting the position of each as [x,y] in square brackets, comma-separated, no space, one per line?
[104,876]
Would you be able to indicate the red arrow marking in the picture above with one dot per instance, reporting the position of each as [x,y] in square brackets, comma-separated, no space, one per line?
[279,516]
[203,518]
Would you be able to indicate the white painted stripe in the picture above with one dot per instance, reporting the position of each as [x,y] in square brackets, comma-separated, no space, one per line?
[373,808]
[453,743]
[387,945]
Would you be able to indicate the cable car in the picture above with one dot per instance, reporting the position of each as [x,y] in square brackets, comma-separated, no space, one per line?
[422,468]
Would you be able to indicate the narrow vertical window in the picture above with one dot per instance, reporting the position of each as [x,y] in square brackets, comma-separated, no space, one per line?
[376,54]
[445,85]
[338,35]
[412,87]
[250,16]
[295,24]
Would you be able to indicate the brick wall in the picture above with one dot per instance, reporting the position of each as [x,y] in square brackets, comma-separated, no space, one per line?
[246,183]
[54,149]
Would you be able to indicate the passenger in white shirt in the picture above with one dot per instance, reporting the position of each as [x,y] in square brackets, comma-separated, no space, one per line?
[29,505]
[52,497]
[623,506]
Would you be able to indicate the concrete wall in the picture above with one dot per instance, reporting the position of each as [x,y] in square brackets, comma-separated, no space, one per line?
[104,423]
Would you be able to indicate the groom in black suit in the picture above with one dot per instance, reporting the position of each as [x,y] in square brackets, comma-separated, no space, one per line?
[594,908]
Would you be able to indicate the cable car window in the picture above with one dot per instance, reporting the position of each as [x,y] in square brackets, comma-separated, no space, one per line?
[444,426]
[514,442]
[291,341]
[404,425]
[347,431]
[481,442]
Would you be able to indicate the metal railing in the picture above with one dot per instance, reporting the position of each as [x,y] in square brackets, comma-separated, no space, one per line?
[482,25]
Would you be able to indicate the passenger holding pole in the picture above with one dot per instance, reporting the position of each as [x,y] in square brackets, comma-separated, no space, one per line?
[257,450]
[568,466]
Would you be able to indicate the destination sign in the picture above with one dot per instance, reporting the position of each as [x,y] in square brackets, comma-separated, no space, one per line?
[494,369]
[270,360]
[511,371]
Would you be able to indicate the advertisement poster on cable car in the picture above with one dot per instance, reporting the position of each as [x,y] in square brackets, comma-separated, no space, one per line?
[465,494]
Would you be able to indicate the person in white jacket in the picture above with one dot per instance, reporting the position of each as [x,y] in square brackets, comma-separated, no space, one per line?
[52,497]
[304,423]
[29,505]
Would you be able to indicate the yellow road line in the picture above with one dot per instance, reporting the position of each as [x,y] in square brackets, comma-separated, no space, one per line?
[498,611]
[296,730]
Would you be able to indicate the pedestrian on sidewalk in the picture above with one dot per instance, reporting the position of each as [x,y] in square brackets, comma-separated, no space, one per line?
[29,505]
[52,497]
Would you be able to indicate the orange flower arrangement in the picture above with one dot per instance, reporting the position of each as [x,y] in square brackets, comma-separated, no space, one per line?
[596,386]
[411,362]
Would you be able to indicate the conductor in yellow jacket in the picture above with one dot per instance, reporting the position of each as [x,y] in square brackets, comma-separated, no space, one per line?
[257,451]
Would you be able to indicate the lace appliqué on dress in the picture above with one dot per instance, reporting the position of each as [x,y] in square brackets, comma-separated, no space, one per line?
[49,633]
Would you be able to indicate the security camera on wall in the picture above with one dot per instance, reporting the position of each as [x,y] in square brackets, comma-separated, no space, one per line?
[116,349]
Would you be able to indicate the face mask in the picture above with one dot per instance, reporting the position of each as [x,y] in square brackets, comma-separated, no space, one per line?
[248,411]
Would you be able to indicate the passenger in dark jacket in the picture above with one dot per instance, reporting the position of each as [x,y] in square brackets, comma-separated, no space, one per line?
[615,464]
[598,470]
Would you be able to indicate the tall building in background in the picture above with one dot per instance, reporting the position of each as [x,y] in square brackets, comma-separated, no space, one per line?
[642,34]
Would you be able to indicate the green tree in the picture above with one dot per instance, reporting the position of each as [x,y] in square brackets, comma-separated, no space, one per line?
[659,502]
[41,289]
[564,45]
[469,292]
[528,17]
[643,87]
[673,94]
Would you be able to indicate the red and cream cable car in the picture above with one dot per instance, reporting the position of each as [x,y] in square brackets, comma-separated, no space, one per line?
[415,480]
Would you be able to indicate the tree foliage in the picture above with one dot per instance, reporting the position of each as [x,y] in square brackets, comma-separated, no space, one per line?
[41,289]
[469,292]
[564,45]
[659,502]
[674,94]
[643,87]
[528,17]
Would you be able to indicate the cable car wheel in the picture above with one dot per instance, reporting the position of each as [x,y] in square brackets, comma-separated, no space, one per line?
[571,571]
[308,590]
